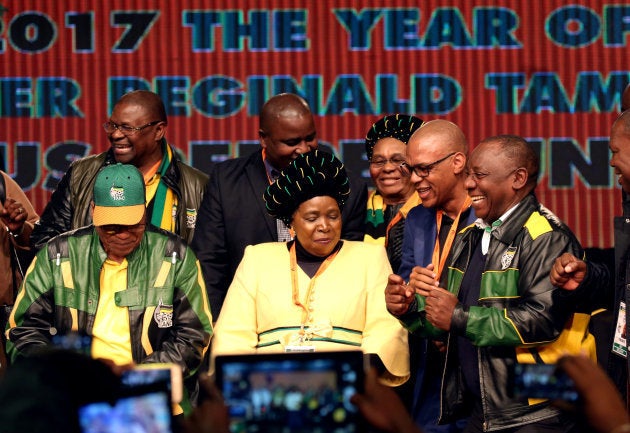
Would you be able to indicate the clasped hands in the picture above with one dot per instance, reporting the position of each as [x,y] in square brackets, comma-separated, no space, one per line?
[439,304]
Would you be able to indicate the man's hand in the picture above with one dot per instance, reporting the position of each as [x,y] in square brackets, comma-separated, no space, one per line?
[13,215]
[211,414]
[382,407]
[422,280]
[439,307]
[567,272]
[398,296]
[601,402]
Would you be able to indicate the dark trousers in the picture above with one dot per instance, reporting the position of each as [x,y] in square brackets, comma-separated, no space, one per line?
[563,423]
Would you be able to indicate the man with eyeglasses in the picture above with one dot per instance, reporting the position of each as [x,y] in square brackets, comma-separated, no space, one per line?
[136,131]
[233,214]
[133,289]
[435,162]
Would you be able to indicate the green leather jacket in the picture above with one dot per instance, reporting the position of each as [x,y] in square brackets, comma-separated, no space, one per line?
[519,317]
[169,314]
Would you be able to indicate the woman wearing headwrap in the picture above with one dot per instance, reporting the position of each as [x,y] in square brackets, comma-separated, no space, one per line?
[395,195]
[317,292]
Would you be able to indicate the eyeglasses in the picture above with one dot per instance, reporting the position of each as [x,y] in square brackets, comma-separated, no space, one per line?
[423,170]
[114,229]
[127,130]
[478,175]
[381,162]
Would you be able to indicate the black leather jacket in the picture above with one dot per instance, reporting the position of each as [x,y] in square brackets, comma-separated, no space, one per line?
[69,206]
[520,317]
[607,287]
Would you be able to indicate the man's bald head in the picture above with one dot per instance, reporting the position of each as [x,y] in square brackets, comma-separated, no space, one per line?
[287,129]
[282,105]
[437,154]
[439,134]
[620,149]
[151,103]
[622,123]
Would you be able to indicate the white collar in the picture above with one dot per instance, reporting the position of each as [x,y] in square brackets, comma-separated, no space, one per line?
[489,227]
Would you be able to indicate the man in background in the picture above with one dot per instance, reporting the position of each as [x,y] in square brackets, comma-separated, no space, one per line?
[233,214]
[598,282]
[17,217]
[136,131]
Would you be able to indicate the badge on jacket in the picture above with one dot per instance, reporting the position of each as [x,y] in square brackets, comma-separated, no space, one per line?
[508,256]
[191,218]
[163,315]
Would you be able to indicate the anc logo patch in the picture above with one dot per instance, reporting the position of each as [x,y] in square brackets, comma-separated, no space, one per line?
[191,218]
[163,315]
[508,256]
[117,193]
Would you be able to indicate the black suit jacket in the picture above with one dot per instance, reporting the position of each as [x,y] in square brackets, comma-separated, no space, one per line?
[233,215]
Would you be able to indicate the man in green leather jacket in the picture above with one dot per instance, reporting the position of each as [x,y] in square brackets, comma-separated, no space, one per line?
[136,291]
[499,307]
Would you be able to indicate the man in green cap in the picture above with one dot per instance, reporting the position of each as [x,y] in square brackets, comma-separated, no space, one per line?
[136,290]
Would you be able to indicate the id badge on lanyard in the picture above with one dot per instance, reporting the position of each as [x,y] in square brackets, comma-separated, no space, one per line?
[298,342]
[619,342]
[299,348]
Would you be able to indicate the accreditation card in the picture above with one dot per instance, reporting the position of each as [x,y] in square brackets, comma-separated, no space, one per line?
[619,343]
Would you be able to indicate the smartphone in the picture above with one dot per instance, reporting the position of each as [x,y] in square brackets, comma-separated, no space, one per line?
[157,375]
[297,392]
[543,381]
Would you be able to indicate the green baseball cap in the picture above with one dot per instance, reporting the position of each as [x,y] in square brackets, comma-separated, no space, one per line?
[119,196]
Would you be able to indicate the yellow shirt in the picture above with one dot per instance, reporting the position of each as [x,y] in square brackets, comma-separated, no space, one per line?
[111,336]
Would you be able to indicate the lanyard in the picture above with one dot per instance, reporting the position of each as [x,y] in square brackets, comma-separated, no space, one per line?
[295,287]
[440,259]
[264,158]
[391,224]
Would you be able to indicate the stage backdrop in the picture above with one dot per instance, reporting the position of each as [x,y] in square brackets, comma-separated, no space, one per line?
[551,71]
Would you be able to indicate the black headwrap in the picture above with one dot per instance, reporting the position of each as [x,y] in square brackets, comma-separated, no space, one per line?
[313,174]
[398,126]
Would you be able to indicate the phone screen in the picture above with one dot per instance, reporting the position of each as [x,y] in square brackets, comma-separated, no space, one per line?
[73,341]
[296,393]
[146,412]
[164,375]
[543,381]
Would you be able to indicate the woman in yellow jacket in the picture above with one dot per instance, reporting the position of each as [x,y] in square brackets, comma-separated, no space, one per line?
[316,292]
